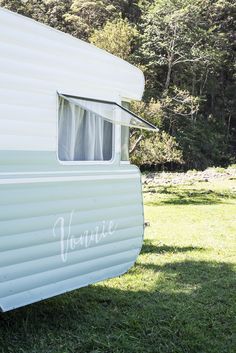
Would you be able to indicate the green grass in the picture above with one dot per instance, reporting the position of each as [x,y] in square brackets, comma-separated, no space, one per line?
[180,297]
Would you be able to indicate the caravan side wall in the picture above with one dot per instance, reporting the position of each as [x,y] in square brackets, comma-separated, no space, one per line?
[61,226]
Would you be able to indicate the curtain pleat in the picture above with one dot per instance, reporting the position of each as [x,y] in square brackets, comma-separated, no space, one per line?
[83,135]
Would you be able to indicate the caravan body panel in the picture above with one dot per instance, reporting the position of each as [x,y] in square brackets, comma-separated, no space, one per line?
[61,226]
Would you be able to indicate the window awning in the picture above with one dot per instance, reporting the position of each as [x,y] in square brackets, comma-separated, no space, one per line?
[110,111]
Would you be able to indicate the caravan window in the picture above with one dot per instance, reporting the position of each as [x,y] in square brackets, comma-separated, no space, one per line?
[83,135]
[86,128]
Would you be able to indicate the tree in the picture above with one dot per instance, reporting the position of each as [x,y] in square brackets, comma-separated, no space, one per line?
[89,15]
[186,49]
[186,52]
[160,148]
[174,38]
[117,37]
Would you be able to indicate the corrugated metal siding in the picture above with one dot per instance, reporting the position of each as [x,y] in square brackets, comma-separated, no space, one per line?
[36,61]
[36,191]
[31,248]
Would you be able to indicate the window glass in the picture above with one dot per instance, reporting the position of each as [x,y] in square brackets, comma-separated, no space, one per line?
[83,135]
[124,143]
[85,128]
[111,111]
[125,131]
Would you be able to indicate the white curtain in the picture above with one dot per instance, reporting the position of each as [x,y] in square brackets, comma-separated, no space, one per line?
[83,135]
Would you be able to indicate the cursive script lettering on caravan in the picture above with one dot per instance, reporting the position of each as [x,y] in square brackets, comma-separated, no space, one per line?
[89,237]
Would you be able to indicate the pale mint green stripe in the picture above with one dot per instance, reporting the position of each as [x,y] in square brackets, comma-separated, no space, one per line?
[23,161]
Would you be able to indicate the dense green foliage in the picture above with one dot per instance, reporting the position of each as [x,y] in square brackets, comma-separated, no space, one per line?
[186,49]
[187,52]
[115,37]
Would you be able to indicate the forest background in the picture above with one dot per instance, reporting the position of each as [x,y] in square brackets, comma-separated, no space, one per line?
[186,49]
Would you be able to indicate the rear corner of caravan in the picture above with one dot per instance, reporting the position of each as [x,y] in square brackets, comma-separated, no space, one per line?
[71,209]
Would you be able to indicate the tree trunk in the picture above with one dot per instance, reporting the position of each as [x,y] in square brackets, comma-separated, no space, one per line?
[135,145]
[228,127]
[167,83]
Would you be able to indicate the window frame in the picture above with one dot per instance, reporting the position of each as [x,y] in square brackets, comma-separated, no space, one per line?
[124,162]
[153,127]
[76,163]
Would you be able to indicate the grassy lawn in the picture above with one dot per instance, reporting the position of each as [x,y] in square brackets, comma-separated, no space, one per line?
[180,297]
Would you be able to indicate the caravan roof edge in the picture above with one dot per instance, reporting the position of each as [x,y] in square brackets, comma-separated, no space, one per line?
[130,68]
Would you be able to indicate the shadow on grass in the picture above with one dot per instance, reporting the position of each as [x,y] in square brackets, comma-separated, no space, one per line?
[176,196]
[148,247]
[190,308]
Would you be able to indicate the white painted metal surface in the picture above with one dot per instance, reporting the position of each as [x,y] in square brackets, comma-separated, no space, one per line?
[36,61]
[61,226]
